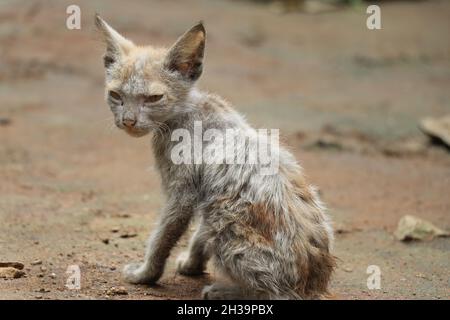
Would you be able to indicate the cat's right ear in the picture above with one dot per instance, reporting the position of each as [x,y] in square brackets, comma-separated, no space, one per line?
[116,45]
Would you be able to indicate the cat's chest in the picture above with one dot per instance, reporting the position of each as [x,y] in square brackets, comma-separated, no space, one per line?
[173,170]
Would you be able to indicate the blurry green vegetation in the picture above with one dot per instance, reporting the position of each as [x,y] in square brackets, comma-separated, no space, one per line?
[301,5]
[352,2]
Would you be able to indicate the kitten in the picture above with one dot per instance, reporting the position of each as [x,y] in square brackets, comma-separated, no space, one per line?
[267,233]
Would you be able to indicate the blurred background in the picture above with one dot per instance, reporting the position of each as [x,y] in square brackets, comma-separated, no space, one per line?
[363,110]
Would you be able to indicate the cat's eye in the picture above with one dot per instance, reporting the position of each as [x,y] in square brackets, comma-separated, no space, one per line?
[114,95]
[153,98]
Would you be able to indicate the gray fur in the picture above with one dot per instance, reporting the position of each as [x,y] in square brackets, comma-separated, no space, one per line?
[267,233]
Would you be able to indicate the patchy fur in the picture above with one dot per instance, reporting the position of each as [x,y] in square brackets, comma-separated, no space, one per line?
[267,233]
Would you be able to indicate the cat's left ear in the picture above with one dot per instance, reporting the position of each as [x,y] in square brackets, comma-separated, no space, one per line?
[116,45]
[186,55]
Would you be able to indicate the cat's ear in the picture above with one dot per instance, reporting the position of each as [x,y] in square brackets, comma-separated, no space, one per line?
[116,45]
[186,55]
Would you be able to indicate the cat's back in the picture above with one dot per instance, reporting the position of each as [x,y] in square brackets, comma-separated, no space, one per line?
[217,113]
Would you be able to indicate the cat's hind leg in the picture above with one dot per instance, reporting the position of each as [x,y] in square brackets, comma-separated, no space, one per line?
[259,269]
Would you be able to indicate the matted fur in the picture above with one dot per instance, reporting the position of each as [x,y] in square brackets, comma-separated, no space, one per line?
[267,233]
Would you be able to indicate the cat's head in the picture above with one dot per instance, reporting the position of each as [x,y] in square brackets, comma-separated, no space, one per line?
[146,86]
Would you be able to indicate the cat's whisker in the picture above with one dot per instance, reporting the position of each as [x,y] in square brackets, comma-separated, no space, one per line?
[163,126]
[159,131]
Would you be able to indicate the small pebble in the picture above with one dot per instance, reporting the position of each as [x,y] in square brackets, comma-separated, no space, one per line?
[44,290]
[347,269]
[128,235]
[5,121]
[114,291]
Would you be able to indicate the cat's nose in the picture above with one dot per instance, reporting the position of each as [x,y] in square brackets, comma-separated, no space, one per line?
[129,120]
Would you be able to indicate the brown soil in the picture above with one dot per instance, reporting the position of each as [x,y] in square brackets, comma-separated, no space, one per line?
[73,187]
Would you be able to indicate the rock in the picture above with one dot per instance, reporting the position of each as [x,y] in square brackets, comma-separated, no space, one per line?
[123,215]
[347,268]
[115,229]
[117,291]
[128,235]
[341,228]
[17,265]
[325,142]
[5,121]
[413,228]
[36,262]
[332,139]
[437,128]
[11,273]
[402,148]
[53,275]
[422,276]
[105,240]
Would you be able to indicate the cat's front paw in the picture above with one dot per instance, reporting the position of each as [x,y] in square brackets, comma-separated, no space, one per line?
[137,273]
[187,267]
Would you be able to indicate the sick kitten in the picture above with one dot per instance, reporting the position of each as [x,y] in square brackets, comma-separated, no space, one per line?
[268,234]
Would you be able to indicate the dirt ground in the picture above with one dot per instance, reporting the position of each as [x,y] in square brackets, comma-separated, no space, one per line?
[75,190]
